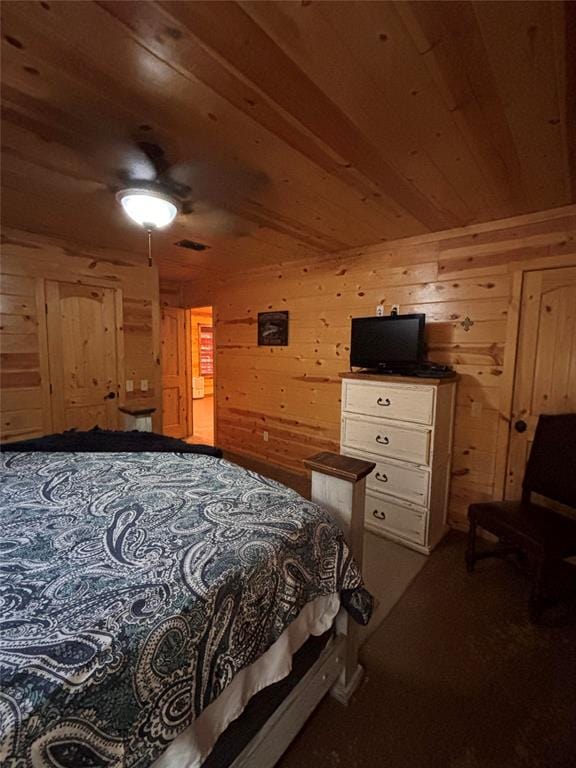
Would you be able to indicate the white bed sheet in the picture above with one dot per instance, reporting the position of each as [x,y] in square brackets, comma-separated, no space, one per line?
[192,746]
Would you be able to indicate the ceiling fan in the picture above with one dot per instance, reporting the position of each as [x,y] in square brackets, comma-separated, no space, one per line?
[155,190]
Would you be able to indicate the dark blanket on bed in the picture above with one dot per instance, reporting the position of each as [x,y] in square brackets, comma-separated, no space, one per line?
[109,441]
[135,586]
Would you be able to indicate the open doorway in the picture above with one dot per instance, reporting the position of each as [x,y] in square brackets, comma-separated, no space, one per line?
[201,379]
[188,374]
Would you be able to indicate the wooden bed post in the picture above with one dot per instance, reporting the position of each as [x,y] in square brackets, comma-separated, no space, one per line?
[338,486]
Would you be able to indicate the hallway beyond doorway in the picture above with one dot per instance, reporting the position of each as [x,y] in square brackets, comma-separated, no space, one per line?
[203,420]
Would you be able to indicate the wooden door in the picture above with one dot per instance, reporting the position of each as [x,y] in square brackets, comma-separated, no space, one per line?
[174,378]
[545,378]
[83,355]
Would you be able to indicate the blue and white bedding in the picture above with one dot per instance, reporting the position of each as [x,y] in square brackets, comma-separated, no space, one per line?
[133,587]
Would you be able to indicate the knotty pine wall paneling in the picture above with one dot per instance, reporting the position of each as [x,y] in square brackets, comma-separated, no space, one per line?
[467,281]
[171,293]
[27,261]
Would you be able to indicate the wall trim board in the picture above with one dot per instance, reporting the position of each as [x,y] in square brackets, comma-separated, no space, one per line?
[120,354]
[406,251]
[41,308]
[469,230]
[27,239]
[507,385]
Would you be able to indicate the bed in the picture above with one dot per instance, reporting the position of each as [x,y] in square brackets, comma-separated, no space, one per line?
[147,596]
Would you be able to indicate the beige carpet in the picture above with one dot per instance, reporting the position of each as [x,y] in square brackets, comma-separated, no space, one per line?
[388,569]
[456,677]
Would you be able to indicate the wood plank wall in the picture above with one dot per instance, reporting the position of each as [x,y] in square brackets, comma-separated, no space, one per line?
[27,261]
[293,392]
[171,293]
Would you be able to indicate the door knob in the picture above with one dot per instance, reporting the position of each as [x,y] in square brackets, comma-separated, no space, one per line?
[520,426]
[110,396]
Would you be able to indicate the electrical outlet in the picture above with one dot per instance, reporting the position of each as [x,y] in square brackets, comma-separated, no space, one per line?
[265,436]
[380,310]
[129,385]
[143,385]
[395,309]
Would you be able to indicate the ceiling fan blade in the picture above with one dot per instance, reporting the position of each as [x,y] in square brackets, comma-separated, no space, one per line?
[133,166]
[216,183]
[155,155]
[208,220]
[208,190]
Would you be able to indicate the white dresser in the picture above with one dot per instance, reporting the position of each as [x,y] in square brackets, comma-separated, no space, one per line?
[405,426]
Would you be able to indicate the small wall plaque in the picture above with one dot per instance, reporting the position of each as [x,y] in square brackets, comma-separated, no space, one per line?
[273,329]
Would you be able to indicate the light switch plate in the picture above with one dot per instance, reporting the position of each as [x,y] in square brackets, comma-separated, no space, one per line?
[129,385]
[143,385]
[476,409]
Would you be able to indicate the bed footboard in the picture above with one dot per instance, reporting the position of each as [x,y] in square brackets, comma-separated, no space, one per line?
[338,485]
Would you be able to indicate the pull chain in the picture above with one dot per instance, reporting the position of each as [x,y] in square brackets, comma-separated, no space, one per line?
[149,247]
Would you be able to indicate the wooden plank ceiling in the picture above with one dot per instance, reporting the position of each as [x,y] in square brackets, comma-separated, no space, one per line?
[300,127]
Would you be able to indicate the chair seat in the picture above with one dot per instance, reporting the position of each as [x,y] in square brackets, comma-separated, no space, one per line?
[532,527]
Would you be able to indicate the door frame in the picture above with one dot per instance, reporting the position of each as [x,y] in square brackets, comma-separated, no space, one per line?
[509,364]
[189,399]
[187,417]
[47,365]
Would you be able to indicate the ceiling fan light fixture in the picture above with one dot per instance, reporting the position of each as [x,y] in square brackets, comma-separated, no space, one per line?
[148,208]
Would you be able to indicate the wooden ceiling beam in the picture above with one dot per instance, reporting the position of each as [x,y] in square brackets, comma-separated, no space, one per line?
[46,58]
[171,41]
[406,108]
[226,30]
[377,93]
[566,27]
[448,38]
[521,49]
[362,121]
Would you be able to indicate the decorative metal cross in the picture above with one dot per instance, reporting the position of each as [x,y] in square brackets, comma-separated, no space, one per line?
[467,323]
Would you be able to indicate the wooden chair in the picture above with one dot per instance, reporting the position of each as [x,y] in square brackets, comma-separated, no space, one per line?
[540,536]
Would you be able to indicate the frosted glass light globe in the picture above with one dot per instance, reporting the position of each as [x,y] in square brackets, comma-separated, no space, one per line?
[148,208]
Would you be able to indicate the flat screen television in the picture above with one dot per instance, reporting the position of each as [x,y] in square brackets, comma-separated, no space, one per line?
[395,342]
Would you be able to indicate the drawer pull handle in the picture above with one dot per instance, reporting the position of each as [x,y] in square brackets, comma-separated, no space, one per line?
[382,478]
[383,402]
[379,514]
[382,440]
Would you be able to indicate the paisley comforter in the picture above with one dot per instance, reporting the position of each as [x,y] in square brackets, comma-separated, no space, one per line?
[134,587]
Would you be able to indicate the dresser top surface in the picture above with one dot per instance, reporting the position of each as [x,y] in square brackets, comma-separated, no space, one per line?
[390,379]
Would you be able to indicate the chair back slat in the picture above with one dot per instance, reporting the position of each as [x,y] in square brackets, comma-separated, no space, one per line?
[551,468]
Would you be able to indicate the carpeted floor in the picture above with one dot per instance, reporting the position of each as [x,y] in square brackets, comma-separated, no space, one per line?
[456,677]
[388,569]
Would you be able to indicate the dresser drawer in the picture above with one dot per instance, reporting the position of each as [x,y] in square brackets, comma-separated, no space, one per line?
[405,482]
[405,403]
[386,440]
[387,516]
